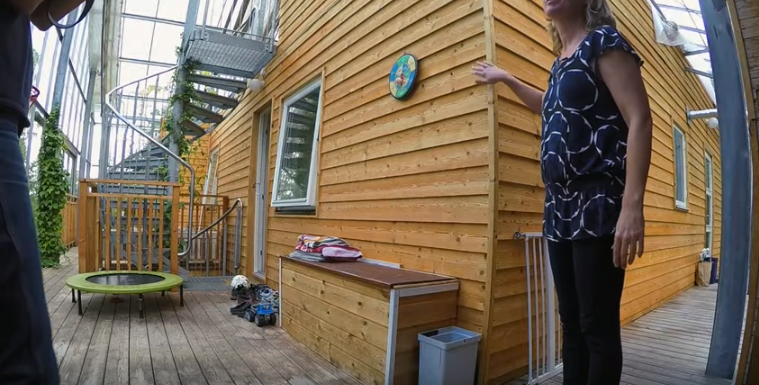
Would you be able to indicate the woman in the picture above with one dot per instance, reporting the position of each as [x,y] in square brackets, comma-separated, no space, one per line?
[595,156]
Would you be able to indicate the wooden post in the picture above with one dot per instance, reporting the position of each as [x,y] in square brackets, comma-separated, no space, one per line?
[223,251]
[84,246]
[175,207]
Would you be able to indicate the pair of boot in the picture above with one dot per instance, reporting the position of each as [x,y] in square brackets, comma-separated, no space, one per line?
[241,308]
[241,294]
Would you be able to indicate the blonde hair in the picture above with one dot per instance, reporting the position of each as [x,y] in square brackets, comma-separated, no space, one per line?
[597,14]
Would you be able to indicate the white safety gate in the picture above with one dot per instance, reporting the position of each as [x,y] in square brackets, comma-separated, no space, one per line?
[544,327]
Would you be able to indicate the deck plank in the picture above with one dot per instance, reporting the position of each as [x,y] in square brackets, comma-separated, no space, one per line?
[187,365]
[227,354]
[140,366]
[164,369]
[202,344]
[281,363]
[93,372]
[72,363]
[210,363]
[670,345]
[117,364]
[243,340]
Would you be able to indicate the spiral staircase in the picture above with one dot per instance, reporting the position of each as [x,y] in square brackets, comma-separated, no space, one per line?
[138,152]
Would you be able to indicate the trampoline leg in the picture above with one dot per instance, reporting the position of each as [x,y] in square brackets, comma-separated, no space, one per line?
[79,300]
[181,295]
[163,294]
[142,313]
[73,297]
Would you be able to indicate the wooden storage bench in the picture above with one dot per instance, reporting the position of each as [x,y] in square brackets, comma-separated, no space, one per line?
[364,317]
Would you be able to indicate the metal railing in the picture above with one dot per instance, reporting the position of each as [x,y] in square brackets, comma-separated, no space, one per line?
[117,95]
[544,337]
[237,209]
[256,20]
[138,109]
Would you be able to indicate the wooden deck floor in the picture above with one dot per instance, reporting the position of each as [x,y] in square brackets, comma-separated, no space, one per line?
[670,345]
[200,343]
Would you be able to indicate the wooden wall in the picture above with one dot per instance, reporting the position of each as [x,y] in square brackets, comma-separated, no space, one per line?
[235,170]
[69,234]
[409,182]
[419,314]
[404,181]
[673,237]
[345,321]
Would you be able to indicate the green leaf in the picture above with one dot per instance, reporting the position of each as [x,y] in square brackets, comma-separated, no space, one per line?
[51,190]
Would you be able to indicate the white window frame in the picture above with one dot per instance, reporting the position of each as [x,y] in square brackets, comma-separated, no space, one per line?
[709,176]
[310,200]
[680,204]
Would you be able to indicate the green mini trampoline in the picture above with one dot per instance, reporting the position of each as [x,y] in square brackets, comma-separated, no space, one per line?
[124,282]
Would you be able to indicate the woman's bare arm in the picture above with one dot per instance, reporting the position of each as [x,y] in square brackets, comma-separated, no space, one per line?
[487,73]
[621,74]
[529,96]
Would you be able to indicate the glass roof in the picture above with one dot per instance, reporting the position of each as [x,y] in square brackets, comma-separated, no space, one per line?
[679,23]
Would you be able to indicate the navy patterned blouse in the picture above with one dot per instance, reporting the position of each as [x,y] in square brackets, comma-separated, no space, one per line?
[584,144]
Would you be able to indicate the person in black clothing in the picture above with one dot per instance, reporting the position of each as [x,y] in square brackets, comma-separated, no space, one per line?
[26,351]
[595,156]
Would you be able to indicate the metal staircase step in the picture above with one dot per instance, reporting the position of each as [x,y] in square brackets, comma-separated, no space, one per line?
[229,55]
[231,85]
[192,128]
[143,163]
[219,101]
[133,175]
[204,115]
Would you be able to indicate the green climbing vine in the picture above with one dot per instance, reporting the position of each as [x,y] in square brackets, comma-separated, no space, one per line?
[51,194]
[184,94]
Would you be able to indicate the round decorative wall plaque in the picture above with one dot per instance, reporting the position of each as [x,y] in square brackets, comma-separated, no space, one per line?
[403,76]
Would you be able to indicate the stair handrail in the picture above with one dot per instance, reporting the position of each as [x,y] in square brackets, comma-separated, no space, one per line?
[160,145]
[237,206]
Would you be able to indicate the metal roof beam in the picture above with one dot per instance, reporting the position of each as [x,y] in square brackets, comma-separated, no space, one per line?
[680,8]
[697,52]
[692,29]
[700,73]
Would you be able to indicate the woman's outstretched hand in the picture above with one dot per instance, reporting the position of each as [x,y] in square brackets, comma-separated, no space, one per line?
[487,73]
[628,241]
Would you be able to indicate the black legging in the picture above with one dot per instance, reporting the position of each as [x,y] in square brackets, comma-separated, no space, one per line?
[589,289]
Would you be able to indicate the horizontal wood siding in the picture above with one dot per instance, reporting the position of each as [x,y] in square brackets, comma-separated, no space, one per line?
[197,157]
[235,171]
[344,321]
[419,314]
[673,238]
[405,182]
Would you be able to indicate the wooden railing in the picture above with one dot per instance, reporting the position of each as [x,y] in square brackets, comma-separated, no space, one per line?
[68,236]
[209,250]
[128,231]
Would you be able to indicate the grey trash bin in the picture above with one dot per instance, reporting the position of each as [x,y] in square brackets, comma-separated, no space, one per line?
[447,356]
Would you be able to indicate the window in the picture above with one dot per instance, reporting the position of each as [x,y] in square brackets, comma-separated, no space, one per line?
[295,174]
[681,171]
[708,173]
